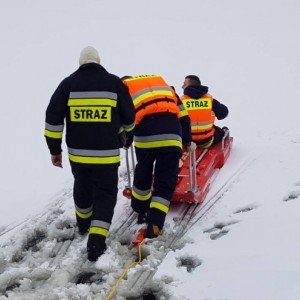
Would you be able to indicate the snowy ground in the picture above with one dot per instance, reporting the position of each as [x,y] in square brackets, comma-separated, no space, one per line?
[243,247]
[246,245]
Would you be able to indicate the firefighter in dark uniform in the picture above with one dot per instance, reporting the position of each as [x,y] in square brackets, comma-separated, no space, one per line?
[96,106]
[162,126]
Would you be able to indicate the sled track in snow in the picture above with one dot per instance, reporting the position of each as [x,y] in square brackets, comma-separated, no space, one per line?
[61,198]
[210,202]
[136,282]
[192,214]
[50,251]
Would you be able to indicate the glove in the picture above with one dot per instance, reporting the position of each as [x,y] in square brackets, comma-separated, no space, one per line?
[192,147]
[129,140]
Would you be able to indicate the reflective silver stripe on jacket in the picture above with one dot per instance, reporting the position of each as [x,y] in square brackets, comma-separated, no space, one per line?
[128,127]
[149,90]
[85,95]
[181,107]
[94,153]
[201,123]
[158,137]
[54,128]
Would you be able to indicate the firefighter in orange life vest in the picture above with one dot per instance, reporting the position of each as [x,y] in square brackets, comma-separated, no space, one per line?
[203,109]
[162,126]
[95,105]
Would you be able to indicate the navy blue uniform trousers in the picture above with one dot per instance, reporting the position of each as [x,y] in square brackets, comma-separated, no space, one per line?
[160,170]
[95,188]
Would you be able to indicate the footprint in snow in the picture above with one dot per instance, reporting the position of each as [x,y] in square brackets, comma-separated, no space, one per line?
[220,229]
[292,196]
[31,241]
[189,262]
[245,209]
[153,290]
[215,236]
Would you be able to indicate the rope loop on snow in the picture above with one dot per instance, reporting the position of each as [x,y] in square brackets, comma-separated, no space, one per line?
[132,265]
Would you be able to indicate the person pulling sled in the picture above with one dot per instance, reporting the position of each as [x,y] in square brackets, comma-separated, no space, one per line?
[162,128]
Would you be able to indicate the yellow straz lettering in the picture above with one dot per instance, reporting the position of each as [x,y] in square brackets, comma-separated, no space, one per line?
[90,114]
[145,76]
[141,76]
[197,104]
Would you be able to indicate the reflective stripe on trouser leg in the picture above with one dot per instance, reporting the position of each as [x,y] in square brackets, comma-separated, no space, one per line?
[142,183]
[83,216]
[83,213]
[83,196]
[165,180]
[140,194]
[99,228]
[97,235]
[160,204]
[105,190]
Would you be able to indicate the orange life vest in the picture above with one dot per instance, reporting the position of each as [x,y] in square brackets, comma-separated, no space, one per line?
[201,115]
[151,95]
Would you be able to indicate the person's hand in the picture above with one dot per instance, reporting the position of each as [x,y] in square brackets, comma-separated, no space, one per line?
[122,139]
[57,160]
[129,140]
[192,147]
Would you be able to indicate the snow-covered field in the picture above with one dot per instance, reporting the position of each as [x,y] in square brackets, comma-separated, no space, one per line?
[243,247]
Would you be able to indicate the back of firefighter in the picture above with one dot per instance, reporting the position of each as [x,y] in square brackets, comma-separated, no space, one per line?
[94,104]
[162,126]
[202,109]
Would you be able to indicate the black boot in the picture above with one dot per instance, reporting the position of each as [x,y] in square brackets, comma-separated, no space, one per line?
[141,218]
[95,246]
[153,231]
[83,230]
[83,225]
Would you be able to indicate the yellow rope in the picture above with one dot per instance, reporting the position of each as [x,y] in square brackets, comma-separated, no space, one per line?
[133,264]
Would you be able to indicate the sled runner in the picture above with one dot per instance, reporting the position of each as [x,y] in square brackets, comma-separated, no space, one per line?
[197,170]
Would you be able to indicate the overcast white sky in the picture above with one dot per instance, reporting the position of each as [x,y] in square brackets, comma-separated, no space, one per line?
[248,55]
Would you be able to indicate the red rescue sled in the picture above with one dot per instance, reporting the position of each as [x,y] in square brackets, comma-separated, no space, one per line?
[194,182]
[197,170]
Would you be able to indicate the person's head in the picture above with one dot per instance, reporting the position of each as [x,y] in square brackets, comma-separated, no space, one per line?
[89,55]
[191,80]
